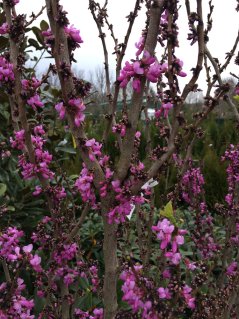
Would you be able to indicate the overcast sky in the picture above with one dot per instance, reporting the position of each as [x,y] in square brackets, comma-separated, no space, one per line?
[90,55]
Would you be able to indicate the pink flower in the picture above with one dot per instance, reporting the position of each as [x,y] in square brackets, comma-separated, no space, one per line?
[36,263]
[35,101]
[6,71]
[154,72]
[164,231]
[166,107]
[27,249]
[136,85]
[166,274]
[177,241]
[19,142]
[78,108]
[232,269]
[140,46]
[173,257]
[137,69]
[164,293]
[61,110]
[73,33]
[4,28]
[147,58]
[188,298]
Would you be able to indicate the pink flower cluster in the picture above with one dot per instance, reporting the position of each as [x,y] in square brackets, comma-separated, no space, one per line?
[94,148]
[17,306]
[42,158]
[9,243]
[19,141]
[97,314]
[4,28]
[147,66]
[57,192]
[76,107]
[48,37]
[74,34]
[140,45]
[29,91]
[119,128]
[34,101]
[165,108]
[6,71]
[192,183]
[190,300]
[166,234]
[126,203]
[66,252]
[134,295]
[67,264]
[232,155]
[30,85]
[84,185]
[11,251]
[232,269]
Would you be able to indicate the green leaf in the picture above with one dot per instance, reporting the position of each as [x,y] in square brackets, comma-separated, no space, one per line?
[3,188]
[66,149]
[38,35]
[34,44]
[44,25]
[168,213]
[3,43]
[236,98]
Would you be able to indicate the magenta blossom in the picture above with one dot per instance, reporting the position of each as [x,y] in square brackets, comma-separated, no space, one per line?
[140,46]
[164,231]
[73,33]
[61,110]
[164,293]
[35,101]
[4,28]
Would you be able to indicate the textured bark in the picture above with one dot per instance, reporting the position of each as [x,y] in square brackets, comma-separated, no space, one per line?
[111,269]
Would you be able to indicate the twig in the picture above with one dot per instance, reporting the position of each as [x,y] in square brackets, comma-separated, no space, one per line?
[75,230]
[34,17]
[6,271]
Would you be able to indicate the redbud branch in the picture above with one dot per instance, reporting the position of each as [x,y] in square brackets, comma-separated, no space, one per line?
[219,79]
[14,52]
[136,103]
[120,57]
[35,16]
[224,66]
[6,271]
[61,55]
[75,230]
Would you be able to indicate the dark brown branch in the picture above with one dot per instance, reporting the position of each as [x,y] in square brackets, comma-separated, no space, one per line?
[35,16]
[219,79]
[61,55]
[6,271]
[75,230]
[120,57]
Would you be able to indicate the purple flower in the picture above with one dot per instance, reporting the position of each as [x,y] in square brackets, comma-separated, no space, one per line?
[73,33]
[61,110]
[35,101]
[232,269]
[4,28]
[140,46]
[35,261]
[164,293]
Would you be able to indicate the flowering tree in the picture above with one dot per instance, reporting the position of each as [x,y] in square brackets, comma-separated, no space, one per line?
[184,266]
